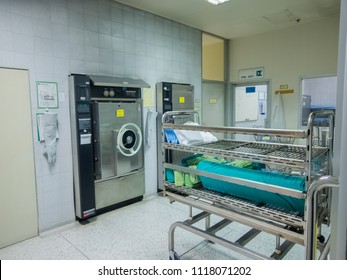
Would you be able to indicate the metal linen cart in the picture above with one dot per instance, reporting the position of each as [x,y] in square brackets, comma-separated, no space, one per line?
[310,160]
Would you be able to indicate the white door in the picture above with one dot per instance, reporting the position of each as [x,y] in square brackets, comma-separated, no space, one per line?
[251,107]
[18,207]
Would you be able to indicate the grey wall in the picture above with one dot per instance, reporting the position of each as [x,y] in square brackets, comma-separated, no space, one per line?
[53,38]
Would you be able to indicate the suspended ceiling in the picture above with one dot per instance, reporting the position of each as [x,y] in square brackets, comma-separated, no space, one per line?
[239,18]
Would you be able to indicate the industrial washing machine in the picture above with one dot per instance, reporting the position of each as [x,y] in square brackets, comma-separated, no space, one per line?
[107,142]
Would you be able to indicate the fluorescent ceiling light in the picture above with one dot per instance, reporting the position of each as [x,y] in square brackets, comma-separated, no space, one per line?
[216,2]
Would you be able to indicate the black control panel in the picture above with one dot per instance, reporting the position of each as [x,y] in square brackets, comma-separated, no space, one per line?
[84,147]
[98,92]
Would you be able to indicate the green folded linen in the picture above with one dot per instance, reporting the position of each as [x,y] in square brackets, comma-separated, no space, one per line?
[179,178]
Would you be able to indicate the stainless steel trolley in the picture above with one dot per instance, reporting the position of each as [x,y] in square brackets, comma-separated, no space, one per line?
[311,160]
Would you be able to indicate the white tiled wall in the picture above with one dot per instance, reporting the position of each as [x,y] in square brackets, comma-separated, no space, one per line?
[53,38]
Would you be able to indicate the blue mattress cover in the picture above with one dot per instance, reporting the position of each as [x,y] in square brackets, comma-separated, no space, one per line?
[255,195]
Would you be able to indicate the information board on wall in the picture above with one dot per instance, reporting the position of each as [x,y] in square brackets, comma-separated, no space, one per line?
[246,104]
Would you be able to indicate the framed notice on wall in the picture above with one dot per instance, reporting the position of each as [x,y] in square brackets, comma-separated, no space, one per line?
[246,104]
[47,94]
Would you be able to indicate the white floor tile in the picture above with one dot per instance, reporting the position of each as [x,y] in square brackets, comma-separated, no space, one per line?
[138,232]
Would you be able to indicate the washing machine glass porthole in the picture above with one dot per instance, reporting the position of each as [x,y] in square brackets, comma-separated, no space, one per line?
[129,140]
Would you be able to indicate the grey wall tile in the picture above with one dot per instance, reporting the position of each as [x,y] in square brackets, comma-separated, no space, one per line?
[23,43]
[21,7]
[75,5]
[140,35]
[149,22]
[43,47]
[140,48]
[5,5]
[117,14]
[24,61]
[104,11]
[77,52]
[129,32]
[130,46]
[60,3]
[91,23]
[90,7]
[129,16]
[105,26]
[105,42]
[118,44]
[44,64]
[92,67]
[76,36]
[91,39]
[92,54]
[42,29]
[41,10]
[77,66]
[140,19]
[117,29]
[76,19]
[22,24]
[6,41]
[60,32]
[5,21]
[59,15]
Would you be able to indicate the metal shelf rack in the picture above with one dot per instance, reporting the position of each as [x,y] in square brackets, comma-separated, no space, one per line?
[310,161]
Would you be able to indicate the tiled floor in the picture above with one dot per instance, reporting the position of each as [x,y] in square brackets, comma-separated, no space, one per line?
[136,232]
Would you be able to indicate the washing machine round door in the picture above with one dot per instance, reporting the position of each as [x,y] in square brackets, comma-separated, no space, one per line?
[129,140]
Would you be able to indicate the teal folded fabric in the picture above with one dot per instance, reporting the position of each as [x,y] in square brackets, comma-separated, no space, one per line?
[169,174]
[255,195]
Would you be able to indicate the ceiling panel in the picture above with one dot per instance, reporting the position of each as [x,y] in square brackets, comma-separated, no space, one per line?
[238,18]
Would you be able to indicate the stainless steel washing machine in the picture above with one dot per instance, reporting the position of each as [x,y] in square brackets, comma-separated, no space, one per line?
[106,123]
[118,131]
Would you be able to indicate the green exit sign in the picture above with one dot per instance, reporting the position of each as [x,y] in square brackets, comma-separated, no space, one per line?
[252,73]
[259,73]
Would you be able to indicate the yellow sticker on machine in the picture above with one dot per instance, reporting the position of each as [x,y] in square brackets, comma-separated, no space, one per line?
[120,113]
[182,100]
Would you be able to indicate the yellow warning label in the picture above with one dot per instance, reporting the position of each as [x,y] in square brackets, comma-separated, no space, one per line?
[182,99]
[285,91]
[120,113]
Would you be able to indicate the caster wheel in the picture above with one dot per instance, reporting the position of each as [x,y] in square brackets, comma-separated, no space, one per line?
[173,256]
[321,238]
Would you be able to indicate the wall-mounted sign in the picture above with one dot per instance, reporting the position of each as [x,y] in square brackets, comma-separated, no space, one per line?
[213,101]
[284,86]
[284,91]
[47,94]
[252,73]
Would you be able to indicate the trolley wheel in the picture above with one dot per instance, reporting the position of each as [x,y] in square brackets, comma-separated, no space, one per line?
[321,238]
[173,255]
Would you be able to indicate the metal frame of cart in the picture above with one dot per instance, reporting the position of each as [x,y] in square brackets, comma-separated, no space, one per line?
[291,227]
